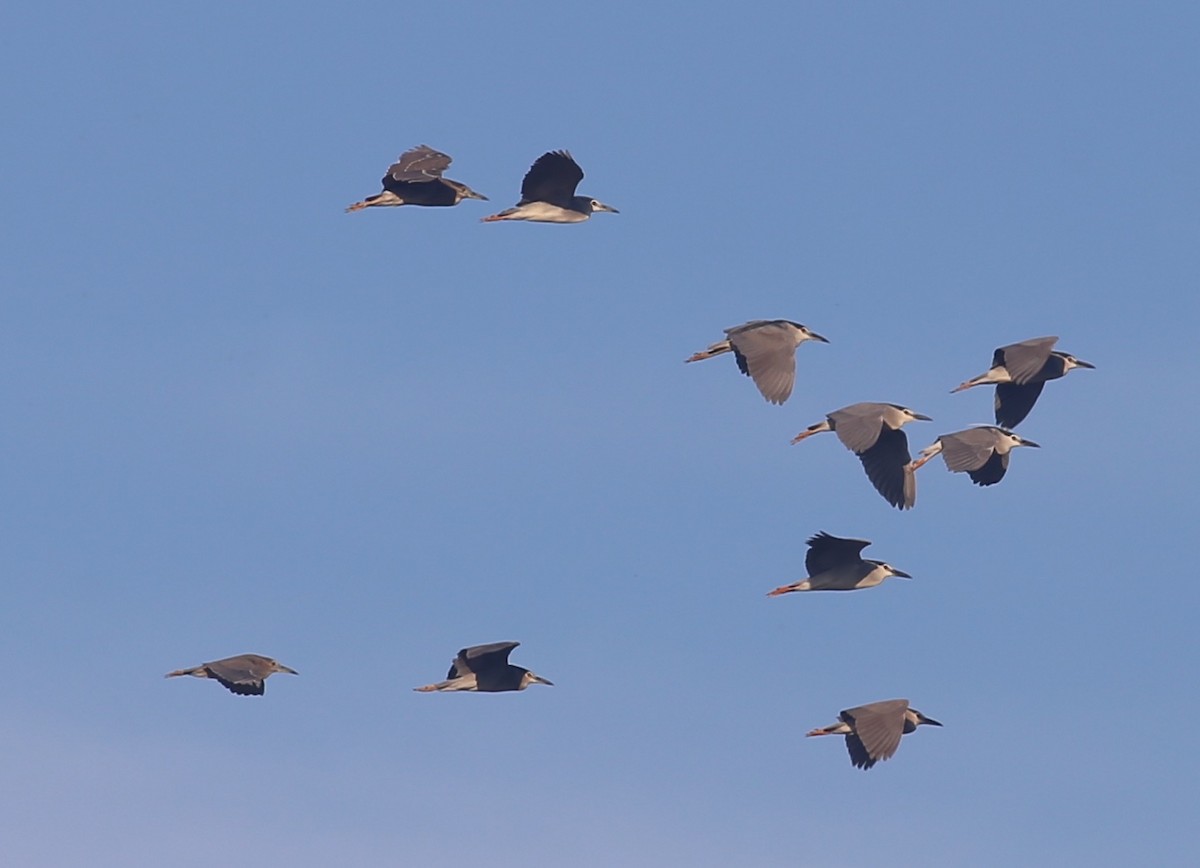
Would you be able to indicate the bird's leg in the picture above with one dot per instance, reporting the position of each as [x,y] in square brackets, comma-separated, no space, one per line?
[989,377]
[811,430]
[428,688]
[357,206]
[714,350]
[926,453]
[788,589]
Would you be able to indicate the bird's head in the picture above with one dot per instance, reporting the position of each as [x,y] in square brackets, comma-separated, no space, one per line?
[923,719]
[276,666]
[1070,362]
[914,416]
[465,192]
[597,205]
[528,678]
[892,571]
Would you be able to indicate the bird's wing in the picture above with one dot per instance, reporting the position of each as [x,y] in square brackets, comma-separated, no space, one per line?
[422,163]
[860,758]
[767,354]
[242,675]
[878,727]
[992,471]
[1013,402]
[968,450]
[552,178]
[479,658]
[858,425]
[886,464]
[828,552]
[1025,359]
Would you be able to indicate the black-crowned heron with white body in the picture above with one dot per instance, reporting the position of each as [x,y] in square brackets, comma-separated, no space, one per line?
[765,351]
[872,431]
[873,731]
[980,452]
[485,669]
[548,193]
[244,674]
[416,179]
[836,564]
[1019,371]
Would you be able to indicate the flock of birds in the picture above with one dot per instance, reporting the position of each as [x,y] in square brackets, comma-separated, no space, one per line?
[765,351]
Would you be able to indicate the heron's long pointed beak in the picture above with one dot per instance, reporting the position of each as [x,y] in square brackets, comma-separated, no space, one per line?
[922,417]
[1082,364]
[287,669]
[600,206]
[816,337]
[930,721]
[1025,442]
[900,574]
[471,194]
[537,679]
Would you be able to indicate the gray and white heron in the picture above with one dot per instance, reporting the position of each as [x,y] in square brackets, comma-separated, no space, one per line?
[872,431]
[416,179]
[836,564]
[981,452]
[548,193]
[765,351]
[485,669]
[873,730]
[244,674]
[1019,371]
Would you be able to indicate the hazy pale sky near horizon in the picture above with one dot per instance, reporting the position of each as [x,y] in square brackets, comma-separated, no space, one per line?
[241,420]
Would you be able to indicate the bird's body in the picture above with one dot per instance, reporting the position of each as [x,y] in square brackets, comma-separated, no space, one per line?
[836,564]
[872,431]
[485,669]
[1019,371]
[981,452]
[244,674]
[873,731]
[416,179]
[548,193]
[765,351]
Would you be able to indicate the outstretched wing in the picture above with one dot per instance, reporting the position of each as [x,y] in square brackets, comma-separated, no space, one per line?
[237,675]
[766,352]
[1024,360]
[827,552]
[1013,402]
[480,658]
[877,731]
[968,450]
[858,425]
[418,165]
[886,464]
[552,178]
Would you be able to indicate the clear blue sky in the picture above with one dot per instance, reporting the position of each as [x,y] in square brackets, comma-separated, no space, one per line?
[238,419]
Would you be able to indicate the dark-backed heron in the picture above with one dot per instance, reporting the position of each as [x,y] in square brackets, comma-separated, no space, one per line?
[765,350]
[872,432]
[244,674]
[873,731]
[1019,372]
[980,452]
[485,669]
[416,179]
[836,564]
[548,193]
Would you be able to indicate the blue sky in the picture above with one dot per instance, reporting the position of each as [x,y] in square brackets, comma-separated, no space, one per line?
[239,419]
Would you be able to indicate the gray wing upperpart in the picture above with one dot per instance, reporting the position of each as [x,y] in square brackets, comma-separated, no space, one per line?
[243,674]
[968,450]
[1024,360]
[766,352]
[827,552]
[878,726]
[858,425]
[421,163]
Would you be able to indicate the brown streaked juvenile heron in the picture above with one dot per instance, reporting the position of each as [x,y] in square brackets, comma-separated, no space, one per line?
[548,193]
[765,351]
[981,452]
[416,179]
[836,564]
[872,432]
[485,669]
[873,731]
[1019,372]
[244,674]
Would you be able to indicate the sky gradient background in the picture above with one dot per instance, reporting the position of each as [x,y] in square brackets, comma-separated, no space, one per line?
[238,419]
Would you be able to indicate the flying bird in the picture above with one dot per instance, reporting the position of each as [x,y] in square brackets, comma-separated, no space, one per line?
[873,731]
[765,351]
[981,452]
[416,179]
[836,564]
[244,674]
[1019,372]
[485,669]
[872,431]
[548,193]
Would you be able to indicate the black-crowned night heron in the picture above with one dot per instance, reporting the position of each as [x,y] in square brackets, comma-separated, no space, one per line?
[416,179]
[1019,372]
[873,731]
[872,432]
[765,350]
[485,668]
[836,564]
[548,193]
[980,452]
[244,674]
